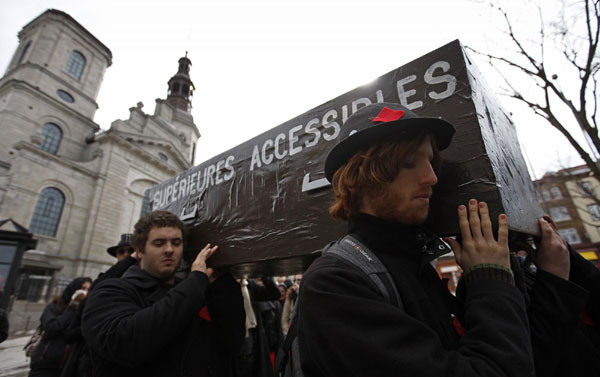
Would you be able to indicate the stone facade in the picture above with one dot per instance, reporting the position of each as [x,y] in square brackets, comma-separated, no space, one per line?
[102,174]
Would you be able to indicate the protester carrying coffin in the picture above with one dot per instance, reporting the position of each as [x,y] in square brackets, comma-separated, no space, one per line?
[564,307]
[49,356]
[149,323]
[382,173]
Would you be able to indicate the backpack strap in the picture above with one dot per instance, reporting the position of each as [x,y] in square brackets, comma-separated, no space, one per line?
[353,251]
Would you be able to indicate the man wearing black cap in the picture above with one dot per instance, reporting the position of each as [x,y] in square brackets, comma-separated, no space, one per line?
[123,249]
[383,171]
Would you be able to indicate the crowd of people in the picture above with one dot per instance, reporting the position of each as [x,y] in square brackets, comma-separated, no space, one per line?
[387,314]
[209,323]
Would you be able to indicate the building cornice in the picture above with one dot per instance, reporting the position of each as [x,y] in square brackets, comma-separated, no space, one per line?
[109,135]
[181,116]
[59,79]
[24,145]
[145,139]
[28,87]
[70,21]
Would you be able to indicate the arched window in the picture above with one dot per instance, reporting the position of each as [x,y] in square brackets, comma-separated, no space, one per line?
[52,137]
[24,52]
[48,209]
[75,64]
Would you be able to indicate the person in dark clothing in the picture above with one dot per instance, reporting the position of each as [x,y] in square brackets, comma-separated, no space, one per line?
[564,308]
[78,363]
[254,359]
[149,323]
[123,249]
[53,350]
[3,325]
[283,291]
[382,172]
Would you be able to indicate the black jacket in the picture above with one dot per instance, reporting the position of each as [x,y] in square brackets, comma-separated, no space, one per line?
[136,326]
[3,325]
[346,328]
[262,297]
[78,363]
[53,350]
[565,321]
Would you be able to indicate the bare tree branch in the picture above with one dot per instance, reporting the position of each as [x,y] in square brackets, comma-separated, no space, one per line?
[580,50]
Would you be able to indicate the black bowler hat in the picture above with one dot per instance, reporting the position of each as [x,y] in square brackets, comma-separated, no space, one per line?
[379,122]
[124,241]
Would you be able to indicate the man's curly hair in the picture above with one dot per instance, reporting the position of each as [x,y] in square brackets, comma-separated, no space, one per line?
[155,219]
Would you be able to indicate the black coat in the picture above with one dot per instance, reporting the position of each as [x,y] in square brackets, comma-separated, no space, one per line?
[136,326]
[253,359]
[53,350]
[3,325]
[346,328]
[78,363]
[564,344]
[262,297]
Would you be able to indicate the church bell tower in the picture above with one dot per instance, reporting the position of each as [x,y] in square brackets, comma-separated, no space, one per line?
[181,87]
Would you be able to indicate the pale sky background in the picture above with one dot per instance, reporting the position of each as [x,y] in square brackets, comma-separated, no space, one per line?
[257,64]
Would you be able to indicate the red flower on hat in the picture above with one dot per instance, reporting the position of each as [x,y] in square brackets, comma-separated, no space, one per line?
[387,115]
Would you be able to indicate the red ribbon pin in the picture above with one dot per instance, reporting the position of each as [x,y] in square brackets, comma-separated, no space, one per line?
[387,115]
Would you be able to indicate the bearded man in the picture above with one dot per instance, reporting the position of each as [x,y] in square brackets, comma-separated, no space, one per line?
[383,172]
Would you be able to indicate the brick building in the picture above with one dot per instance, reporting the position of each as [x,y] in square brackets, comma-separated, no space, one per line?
[571,197]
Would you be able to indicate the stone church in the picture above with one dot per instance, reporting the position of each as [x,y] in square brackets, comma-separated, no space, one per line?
[75,186]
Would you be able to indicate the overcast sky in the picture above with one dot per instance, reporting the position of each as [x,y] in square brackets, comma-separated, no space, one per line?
[256,64]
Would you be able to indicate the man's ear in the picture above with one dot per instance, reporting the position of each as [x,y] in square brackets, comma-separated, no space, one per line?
[139,254]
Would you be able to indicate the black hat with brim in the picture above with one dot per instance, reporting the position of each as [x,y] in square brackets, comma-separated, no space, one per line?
[380,122]
[124,241]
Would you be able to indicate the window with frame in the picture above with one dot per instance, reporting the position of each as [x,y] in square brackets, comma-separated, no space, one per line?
[559,213]
[570,235]
[52,137]
[48,210]
[586,188]
[146,204]
[75,64]
[594,210]
[65,96]
[555,191]
[546,195]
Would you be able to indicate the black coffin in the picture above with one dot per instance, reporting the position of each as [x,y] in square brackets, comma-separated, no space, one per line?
[265,201]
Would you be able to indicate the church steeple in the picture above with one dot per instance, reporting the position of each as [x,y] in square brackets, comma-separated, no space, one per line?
[181,87]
